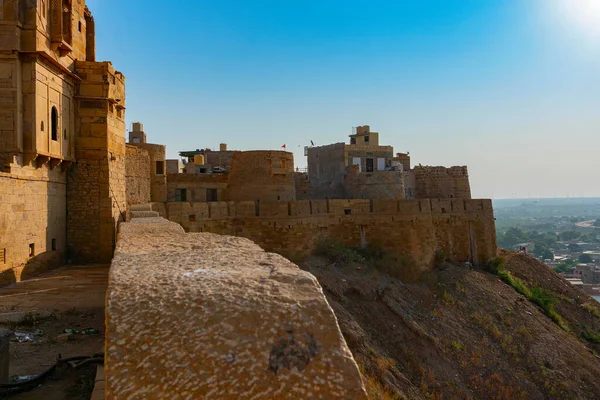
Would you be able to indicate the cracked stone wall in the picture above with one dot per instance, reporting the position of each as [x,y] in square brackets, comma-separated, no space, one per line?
[200,315]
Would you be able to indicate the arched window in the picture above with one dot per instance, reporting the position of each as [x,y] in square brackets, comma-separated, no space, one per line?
[54,124]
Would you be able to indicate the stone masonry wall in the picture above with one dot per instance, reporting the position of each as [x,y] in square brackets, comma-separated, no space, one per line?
[32,213]
[205,316]
[137,175]
[196,186]
[464,230]
[326,171]
[374,185]
[442,183]
[261,175]
[96,196]
[157,153]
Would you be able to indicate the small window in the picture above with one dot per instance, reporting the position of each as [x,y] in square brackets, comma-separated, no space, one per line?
[192,217]
[65,134]
[54,124]
[278,164]
[160,168]
[211,195]
[352,140]
[366,139]
[79,26]
[180,194]
[53,244]
[347,211]
[136,140]
[31,249]
[42,126]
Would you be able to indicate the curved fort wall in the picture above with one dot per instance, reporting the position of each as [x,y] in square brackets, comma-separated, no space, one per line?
[261,175]
[462,229]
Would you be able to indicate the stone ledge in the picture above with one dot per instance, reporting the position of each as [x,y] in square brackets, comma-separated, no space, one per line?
[200,315]
[144,214]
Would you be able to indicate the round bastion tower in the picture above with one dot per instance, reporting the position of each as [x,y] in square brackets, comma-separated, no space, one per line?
[261,175]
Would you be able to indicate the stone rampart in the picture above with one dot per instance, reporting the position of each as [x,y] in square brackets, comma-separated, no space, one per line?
[442,183]
[461,229]
[204,316]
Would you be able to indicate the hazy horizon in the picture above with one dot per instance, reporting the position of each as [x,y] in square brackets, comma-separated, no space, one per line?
[508,88]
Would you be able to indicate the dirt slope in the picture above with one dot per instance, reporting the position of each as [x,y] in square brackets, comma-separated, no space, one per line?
[461,333]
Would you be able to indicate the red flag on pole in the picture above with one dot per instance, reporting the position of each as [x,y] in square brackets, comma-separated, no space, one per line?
[283,147]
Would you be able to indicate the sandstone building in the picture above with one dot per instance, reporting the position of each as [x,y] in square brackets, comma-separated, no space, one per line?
[62,147]
[363,169]
[358,194]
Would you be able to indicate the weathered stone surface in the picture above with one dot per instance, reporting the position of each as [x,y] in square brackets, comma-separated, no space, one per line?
[200,315]
[141,207]
[144,214]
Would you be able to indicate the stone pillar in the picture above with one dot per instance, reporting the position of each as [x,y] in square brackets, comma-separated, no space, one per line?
[5,336]
[90,37]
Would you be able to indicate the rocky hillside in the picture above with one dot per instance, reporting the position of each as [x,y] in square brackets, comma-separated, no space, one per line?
[517,332]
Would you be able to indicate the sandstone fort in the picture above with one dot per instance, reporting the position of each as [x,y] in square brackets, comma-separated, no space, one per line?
[207,240]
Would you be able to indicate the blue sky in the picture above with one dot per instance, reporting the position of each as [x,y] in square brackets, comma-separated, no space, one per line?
[510,88]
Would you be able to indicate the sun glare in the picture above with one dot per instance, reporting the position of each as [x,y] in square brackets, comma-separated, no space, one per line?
[583,14]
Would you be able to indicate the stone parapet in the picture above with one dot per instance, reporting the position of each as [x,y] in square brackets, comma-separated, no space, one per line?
[200,315]
[462,229]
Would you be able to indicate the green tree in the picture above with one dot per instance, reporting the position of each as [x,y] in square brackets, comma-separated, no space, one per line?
[569,235]
[585,258]
[512,237]
[574,247]
[566,266]
[542,251]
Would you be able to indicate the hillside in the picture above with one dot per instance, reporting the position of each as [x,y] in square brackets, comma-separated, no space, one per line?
[459,332]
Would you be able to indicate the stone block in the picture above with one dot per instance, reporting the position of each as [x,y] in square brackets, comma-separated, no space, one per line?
[243,322]
[144,214]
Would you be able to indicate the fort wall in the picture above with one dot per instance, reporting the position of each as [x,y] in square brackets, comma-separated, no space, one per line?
[32,222]
[158,172]
[137,175]
[374,185]
[261,175]
[96,190]
[462,229]
[327,167]
[442,183]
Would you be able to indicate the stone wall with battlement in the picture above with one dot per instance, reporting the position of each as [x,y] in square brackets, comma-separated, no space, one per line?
[462,229]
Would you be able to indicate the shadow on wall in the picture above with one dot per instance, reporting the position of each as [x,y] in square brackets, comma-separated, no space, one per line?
[35,265]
